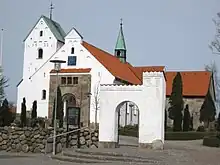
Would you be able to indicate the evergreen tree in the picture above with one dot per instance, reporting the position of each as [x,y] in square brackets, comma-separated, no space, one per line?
[34,110]
[191,123]
[3,85]
[176,103]
[23,113]
[6,114]
[186,119]
[218,122]
[34,114]
[59,109]
[53,115]
[60,113]
[208,110]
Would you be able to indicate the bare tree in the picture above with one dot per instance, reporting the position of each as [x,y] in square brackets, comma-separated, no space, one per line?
[215,44]
[96,101]
[215,48]
[213,68]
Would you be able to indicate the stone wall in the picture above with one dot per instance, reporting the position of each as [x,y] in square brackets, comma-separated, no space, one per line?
[14,139]
[194,109]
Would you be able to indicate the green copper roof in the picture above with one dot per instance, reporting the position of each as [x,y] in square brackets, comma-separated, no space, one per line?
[55,28]
[120,44]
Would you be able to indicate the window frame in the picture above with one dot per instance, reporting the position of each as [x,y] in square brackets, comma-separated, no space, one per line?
[41,33]
[72,50]
[44,94]
[70,62]
[40,53]
[69,80]
[63,79]
[75,80]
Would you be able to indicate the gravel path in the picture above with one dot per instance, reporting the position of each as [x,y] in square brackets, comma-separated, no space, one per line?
[175,153]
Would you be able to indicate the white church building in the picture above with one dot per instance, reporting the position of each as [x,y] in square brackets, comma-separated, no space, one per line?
[85,63]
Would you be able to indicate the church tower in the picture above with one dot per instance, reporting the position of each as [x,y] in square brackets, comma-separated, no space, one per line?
[120,48]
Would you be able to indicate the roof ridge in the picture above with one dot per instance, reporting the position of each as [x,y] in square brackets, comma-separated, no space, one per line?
[54,27]
[149,66]
[122,71]
[189,71]
[103,51]
[130,66]
[76,32]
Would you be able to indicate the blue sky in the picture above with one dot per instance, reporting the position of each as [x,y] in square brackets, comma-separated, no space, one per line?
[174,33]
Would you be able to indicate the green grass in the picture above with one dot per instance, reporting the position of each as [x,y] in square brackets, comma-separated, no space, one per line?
[192,135]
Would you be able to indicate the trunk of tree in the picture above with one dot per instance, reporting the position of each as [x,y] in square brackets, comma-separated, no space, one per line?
[96,118]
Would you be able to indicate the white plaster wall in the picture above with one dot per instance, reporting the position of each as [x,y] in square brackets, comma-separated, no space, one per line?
[36,77]
[99,74]
[150,100]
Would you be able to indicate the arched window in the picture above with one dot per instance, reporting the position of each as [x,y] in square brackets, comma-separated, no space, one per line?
[44,94]
[41,33]
[40,53]
[72,50]
[118,53]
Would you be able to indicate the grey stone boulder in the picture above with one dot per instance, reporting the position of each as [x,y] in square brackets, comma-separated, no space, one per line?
[157,145]
[25,148]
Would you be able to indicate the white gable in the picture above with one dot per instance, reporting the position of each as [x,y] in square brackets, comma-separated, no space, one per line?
[73,36]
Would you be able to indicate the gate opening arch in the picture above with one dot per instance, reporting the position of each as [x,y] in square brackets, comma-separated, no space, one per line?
[150,99]
[127,115]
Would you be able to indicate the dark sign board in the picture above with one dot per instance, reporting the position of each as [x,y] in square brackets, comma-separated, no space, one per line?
[73,115]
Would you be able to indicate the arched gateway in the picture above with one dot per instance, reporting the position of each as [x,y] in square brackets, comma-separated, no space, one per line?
[149,97]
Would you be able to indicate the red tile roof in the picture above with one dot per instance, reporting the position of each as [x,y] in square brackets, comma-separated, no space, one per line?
[133,75]
[73,70]
[195,83]
[113,64]
[140,69]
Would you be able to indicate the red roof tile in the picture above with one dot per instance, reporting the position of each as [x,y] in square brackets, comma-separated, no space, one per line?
[133,75]
[195,83]
[81,70]
[113,64]
[140,69]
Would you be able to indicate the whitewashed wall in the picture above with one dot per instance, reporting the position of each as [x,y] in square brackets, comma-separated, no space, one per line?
[99,74]
[149,97]
[35,77]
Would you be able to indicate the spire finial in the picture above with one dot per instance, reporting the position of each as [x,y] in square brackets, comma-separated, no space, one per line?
[121,23]
[51,10]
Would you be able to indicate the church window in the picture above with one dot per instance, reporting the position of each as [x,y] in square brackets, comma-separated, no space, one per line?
[69,80]
[72,50]
[40,53]
[75,80]
[71,60]
[43,94]
[63,80]
[41,33]
[118,53]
